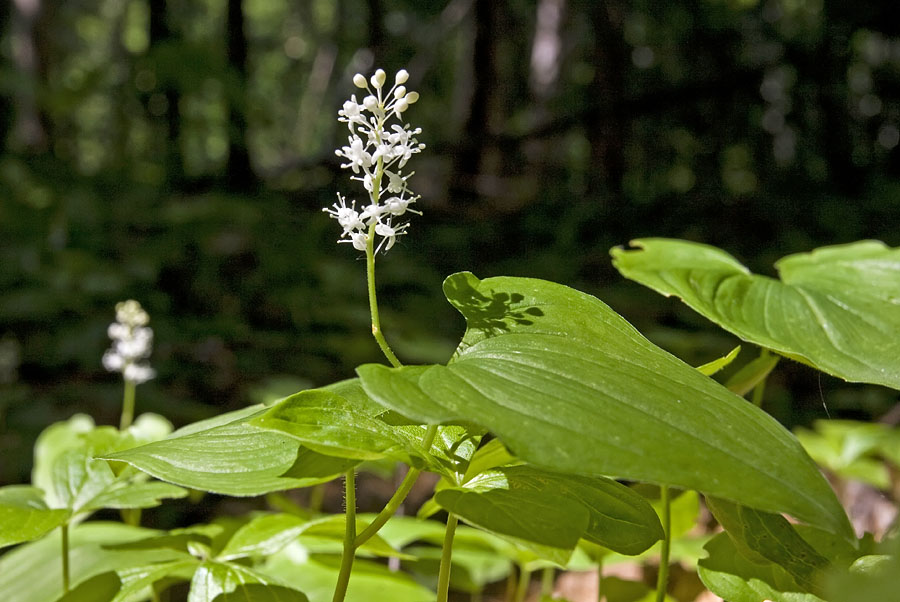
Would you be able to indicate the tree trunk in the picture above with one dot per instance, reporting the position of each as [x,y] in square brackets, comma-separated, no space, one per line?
[607,126]
[239,175]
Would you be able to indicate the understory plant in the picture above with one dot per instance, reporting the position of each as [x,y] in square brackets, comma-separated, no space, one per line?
[560,437]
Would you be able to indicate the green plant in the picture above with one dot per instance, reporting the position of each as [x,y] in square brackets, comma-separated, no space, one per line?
[544,428]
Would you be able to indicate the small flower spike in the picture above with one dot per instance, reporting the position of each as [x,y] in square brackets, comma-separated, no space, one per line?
[376,152]
[132,341]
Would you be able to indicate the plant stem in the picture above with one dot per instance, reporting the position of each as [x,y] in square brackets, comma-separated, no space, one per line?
[443,588]
[316,498]
[406,485]
[65,557]
[760,389]
[662,579]
[373,301]
[524,582]
[600,579]
[127,406]
[547,578]
[510,586]
[340,589]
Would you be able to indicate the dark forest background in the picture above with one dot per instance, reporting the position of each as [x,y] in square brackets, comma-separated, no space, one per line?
[179,153]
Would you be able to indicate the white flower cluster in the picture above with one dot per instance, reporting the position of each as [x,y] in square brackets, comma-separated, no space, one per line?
[377,152]
[132,341]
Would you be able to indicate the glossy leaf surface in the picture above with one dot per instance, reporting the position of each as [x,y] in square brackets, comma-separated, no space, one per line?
[836,308]
[569,385]
[228,456]
[30,573]
[24,516]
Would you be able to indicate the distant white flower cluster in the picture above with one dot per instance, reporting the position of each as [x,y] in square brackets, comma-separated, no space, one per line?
[132,341]
[377,152]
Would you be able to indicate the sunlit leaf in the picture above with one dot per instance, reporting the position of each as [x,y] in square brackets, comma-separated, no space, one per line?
[567,384]
[32,572]
[224,455]
[710,368]
[836,308]
[24,516]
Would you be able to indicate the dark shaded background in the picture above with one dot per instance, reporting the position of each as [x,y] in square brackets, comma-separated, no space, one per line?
[180,153]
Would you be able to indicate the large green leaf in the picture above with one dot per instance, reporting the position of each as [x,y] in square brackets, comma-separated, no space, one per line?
[334,424]
[569,385]
[228,456]
[556,510]
[82,484]
[24,516]
[836,308]
[341,420]
[32,572]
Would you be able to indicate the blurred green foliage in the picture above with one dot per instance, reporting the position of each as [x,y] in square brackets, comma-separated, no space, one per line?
[180,152]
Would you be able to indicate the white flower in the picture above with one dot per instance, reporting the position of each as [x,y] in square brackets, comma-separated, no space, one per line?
[389,234]
[356,154]
[132,341]
[375,149]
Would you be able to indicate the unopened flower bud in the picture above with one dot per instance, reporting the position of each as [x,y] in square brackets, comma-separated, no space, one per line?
[370,102]
[378,79]
[401,105]
[359,80]
[401,76]
[412,97]
[400,91]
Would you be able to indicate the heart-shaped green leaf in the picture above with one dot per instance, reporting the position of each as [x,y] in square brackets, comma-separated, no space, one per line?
[836,308]
[228,456]
[569,385]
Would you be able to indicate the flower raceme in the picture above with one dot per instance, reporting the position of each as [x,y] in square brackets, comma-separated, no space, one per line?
[376,152]
[132,341]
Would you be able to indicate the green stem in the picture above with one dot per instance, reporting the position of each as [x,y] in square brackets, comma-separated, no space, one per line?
[65,557]
[127,406]
[446,556]
[524,582]
[340,589]
[131,516]
[760,389]
[510,586]
[405,486]
[373,301]
[600,579]
[548,576]
[316,498]
[662,579]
